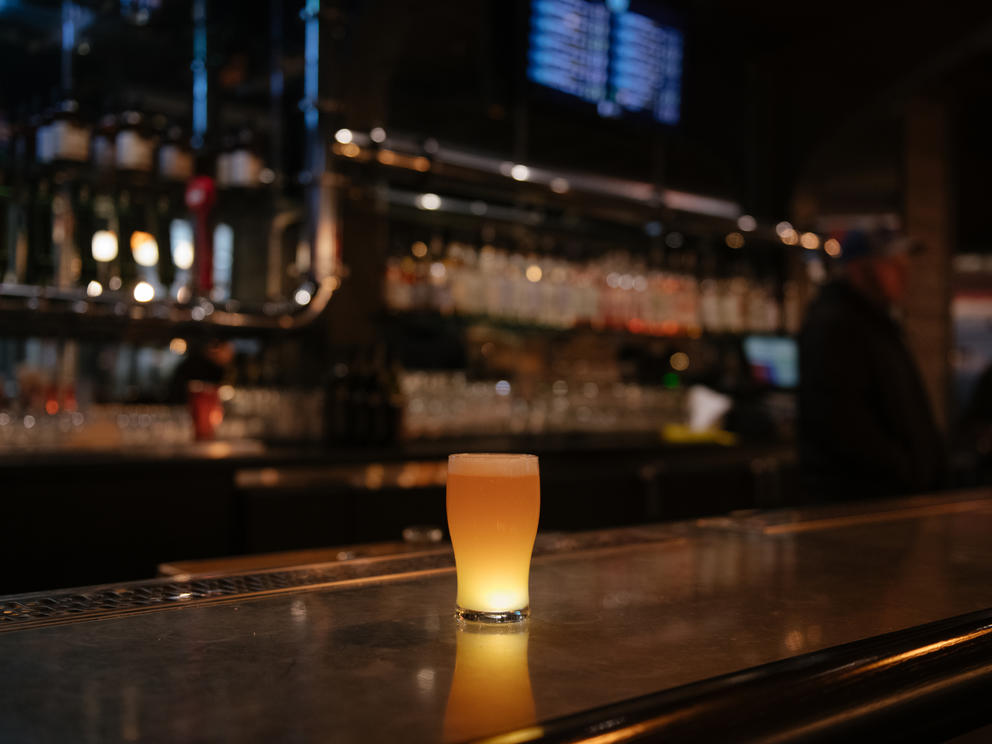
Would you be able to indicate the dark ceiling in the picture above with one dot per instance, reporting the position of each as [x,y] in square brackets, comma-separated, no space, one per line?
[773,90]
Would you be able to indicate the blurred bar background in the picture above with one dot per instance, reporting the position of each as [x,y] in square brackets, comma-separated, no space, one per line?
[265,264]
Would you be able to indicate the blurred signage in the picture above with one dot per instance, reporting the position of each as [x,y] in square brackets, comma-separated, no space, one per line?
[604,53]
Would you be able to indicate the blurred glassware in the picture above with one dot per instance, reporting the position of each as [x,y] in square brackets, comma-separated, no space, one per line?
[445,404]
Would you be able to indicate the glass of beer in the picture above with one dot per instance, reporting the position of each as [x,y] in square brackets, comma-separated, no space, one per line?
[493,506]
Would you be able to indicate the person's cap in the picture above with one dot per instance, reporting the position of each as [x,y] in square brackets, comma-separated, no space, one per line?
[856,244]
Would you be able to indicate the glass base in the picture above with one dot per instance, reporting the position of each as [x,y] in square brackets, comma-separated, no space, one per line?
[481,616]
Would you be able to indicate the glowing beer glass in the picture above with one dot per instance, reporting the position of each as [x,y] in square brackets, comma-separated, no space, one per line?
[493,506]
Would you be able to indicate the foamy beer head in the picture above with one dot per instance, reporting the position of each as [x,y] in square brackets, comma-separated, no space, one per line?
[494,501]
[493,465]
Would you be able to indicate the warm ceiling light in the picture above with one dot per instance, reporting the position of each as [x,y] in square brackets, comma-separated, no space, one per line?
[810,241]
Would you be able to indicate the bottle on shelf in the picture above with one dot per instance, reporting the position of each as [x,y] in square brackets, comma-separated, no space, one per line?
[245,164]
[84,228]
[103,145]
[104,245]
[39,265]
[68,136]
[16,209]
[175,156]
[225,160]
[131,219]
[134,145]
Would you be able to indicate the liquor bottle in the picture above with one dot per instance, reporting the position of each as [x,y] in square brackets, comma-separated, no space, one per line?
[41,125]
[224,160]
[245,165]
[104,245]
[39,268]
[129,207]
[166,211]
[68,136]
[103,145]
[134,145]
[85,226]
[175,156]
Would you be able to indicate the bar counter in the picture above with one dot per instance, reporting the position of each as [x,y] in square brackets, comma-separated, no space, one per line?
[800,625]
[124,512]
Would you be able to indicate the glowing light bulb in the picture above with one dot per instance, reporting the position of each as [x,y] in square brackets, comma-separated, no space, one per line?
[429,201]
[144,292]
[104,246]
[181,239]
[144,248]
[810,241]
[519,172]
[344,136]
[746,223]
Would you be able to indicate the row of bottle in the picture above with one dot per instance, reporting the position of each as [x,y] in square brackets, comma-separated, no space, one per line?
[111,239]
[130,141]
[616,290]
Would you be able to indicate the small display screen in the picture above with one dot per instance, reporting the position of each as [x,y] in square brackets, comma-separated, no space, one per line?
[615,54]
[773,360]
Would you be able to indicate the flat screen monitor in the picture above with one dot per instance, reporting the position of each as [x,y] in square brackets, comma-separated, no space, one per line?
[774,360]
[622,56]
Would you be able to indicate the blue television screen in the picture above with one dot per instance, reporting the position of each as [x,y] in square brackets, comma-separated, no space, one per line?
[621,58]
[774,360]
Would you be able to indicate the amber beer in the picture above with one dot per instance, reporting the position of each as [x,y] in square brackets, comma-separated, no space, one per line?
[493,506]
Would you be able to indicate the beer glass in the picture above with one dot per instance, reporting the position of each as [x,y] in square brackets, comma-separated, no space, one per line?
[493,505]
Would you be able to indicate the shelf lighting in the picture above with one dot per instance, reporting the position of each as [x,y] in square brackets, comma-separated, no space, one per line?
[144,292]
[104,246]
[144,248]
[810,241]
[784,228]
[429,201]
[747,223]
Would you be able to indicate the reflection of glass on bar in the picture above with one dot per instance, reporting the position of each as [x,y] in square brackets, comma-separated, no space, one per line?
[493,507]
[490,690]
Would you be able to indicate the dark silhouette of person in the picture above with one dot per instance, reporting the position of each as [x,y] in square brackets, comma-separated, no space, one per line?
[866,428]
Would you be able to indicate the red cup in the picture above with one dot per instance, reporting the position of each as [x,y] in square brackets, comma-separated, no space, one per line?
[205,409]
